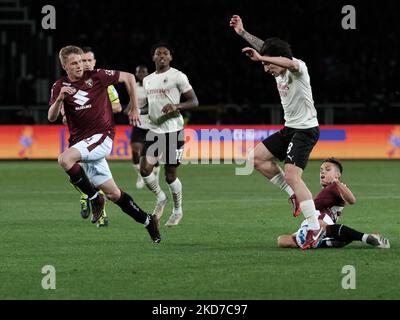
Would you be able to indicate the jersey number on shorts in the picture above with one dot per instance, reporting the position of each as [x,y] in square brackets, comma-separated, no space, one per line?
[289,148]
[179,154]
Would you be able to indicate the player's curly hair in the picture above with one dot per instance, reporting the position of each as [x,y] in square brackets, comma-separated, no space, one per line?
[336,162]
[275,47]
[161,44]
[66,51]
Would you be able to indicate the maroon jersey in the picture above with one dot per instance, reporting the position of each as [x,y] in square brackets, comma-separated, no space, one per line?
[88,110]
[329,201]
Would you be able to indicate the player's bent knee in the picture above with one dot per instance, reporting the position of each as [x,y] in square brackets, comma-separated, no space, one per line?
[169,178]
[145,172]
[113,195]
[258,163]
[65,162]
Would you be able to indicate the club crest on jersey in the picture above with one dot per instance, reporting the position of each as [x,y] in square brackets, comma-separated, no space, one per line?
[109,72]
[89,83]
[165,80]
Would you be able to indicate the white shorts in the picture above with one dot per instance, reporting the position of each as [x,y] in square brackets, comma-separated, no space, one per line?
[94,151]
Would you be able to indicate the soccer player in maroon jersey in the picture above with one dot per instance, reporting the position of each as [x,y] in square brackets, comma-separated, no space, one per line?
[330,202]
[92,129]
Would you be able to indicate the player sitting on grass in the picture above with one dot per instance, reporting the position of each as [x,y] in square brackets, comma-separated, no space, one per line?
[330,202]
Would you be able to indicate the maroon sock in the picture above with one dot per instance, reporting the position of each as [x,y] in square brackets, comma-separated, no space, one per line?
[79,178]
[126,203]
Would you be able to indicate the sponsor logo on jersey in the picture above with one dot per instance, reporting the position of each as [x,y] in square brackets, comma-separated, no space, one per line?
[67,84]
[89,82]
[80,97]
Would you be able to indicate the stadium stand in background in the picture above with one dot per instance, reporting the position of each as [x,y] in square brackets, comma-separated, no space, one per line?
[354,72]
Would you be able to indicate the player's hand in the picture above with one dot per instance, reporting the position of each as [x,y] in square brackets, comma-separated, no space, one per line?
[65,91]
[169,108]
[337,182]
[237,24]
[133,116]
[252,54]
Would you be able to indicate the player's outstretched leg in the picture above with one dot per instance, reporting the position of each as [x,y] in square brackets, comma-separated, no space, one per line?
[346,234]
[126,203]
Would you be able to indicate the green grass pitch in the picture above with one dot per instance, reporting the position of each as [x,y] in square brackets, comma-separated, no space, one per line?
[225,247]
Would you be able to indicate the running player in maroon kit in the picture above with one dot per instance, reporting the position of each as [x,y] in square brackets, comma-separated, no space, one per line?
[330,202]
[92,129]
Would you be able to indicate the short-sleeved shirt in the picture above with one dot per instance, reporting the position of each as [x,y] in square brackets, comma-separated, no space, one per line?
[296,98]
[162,89]
[88,110]
[329,201]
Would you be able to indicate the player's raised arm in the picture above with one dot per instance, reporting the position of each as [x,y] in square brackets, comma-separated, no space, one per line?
[130,83]
[283,62]
[237,24]
[345,192]
[55,108]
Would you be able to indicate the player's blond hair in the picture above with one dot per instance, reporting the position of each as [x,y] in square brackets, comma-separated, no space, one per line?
[66,51]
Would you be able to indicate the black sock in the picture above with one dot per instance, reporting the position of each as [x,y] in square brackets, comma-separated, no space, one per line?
[79,179]
[341,232]
[128,206]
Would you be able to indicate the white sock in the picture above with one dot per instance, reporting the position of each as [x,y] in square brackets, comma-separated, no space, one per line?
[279,180]
[176,191]
[365,237]
[156,171]
[152,183]
[309,212]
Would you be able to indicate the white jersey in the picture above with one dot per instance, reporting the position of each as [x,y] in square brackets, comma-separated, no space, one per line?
[296,98]
[162,89]
[142,101]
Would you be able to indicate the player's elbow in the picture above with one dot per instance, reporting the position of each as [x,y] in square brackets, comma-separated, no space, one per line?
[351,201]
[126,77]
[195,102]
[51,117]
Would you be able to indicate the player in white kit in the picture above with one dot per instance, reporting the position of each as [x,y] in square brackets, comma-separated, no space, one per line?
[165,139]
[139,131]
[295,141]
